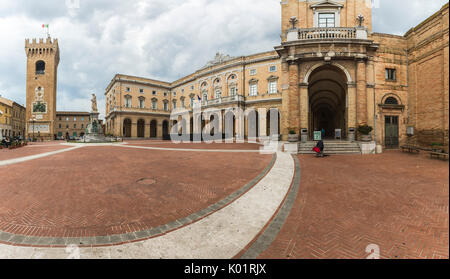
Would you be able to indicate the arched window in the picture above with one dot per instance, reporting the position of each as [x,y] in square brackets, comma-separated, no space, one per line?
[40,67]
[391,101]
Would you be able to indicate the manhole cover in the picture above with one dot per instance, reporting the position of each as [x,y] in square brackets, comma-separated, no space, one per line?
[146,181]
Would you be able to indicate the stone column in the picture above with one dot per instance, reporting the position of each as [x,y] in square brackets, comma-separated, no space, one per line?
[262,113]
[304,107]
[147,128]
[361,92]
[293,108]
[370,88]
[351,106]
[133,128]
[285,99]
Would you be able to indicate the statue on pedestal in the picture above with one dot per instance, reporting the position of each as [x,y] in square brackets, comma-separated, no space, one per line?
[94,103]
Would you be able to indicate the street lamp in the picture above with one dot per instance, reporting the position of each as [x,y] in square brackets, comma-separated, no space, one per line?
[33,120]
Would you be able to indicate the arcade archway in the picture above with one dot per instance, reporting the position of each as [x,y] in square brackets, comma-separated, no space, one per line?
[327,91]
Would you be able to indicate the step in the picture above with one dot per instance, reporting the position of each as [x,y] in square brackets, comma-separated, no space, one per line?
[331,147]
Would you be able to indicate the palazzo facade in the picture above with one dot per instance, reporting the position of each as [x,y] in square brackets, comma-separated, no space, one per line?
[331,72]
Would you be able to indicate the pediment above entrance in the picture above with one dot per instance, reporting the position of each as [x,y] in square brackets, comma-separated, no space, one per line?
[327,4]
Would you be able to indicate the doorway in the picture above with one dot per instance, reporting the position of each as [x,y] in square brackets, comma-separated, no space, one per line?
[391,132]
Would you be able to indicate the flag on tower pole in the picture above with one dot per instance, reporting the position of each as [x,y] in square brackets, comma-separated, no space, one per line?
[46,26]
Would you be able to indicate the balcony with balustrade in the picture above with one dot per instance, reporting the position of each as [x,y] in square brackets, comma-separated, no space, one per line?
[236,99]
[327,34]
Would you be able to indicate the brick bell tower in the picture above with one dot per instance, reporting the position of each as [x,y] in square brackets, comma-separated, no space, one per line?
[42,70]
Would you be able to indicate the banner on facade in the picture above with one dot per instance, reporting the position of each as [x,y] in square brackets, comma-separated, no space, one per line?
[39,128]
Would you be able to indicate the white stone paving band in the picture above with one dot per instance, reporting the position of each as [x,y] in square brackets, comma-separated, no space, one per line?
[222,234]
[34,157]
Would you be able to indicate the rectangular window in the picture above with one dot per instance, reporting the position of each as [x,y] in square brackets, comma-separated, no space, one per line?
[192,102]
[60,126]
[82,118]
[253,72]
[174,104]
[154,92]
[74,126]
[74,119]
[67,118]
[233,91]
[128,102]
[141,103]
[141,90]
[391,74]
[154,105]
[327,20]
[218,93]
[272,69]
[128,89]
[166,106]
[253,89]
[273,87]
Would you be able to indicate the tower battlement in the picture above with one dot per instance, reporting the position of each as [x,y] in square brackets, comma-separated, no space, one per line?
[49,43]
[42,47]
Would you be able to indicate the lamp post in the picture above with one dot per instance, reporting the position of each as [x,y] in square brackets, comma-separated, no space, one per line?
[33,120]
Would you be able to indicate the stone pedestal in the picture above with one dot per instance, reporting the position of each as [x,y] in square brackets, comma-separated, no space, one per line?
[94,131]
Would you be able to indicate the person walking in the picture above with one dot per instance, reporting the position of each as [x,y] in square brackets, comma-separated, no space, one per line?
[323,133]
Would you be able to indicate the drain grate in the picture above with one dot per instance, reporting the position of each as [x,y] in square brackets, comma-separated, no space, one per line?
[146,181]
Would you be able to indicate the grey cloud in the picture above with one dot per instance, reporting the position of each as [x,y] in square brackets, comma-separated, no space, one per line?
[161,39]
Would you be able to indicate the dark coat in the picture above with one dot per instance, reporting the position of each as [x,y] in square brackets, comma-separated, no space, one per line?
[320,145]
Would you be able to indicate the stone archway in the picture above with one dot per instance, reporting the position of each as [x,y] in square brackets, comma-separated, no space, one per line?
[153,129]
[141,128]
[271,129]
[165,128]
[127,128]
[327,93]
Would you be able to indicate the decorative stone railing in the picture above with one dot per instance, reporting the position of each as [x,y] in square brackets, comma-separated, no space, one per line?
[327,33]
[223,100]
[137,109]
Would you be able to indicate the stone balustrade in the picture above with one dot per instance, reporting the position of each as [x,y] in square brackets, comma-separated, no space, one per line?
[327,33]
[223,100]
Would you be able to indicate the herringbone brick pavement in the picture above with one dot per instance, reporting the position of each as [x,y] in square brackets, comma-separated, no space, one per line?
[397,201]
[99,191]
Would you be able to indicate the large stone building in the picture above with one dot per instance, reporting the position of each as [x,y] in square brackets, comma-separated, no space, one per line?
[12,118]
[71,124]
[329,72]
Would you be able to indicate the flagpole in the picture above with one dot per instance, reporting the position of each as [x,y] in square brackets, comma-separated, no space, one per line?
[48,29]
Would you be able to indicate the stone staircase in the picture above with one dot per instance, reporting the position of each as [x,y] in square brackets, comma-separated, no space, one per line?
[331,147]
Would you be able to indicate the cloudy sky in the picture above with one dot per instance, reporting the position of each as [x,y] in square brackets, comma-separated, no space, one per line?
[161,39]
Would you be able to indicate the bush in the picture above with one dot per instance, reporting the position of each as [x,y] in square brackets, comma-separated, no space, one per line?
[365,129]
[292,131]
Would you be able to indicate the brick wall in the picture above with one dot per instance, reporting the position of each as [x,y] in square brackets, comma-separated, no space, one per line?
[428,79]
